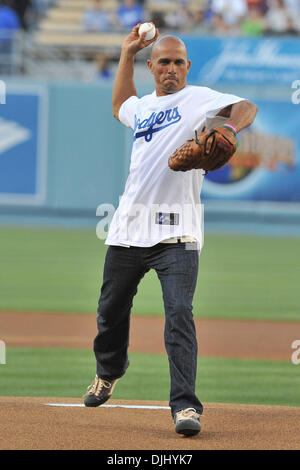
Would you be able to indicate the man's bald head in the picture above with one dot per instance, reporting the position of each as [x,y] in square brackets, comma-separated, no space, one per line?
[169,65]
[165,42]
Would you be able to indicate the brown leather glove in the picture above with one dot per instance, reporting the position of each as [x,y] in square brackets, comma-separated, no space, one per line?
[209,150]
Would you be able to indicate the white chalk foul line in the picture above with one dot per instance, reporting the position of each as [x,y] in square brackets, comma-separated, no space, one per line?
[143,407]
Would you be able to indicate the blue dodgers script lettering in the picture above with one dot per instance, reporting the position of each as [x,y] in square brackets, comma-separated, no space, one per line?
[162,120]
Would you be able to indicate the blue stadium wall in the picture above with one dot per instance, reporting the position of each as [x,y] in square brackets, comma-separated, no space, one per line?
[62,154]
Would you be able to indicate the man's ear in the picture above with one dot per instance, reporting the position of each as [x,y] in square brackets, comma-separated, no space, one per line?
[188,65]
[149,64]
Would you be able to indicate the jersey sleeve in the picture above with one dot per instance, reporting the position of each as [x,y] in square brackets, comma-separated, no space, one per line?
[127,111]
[208,104]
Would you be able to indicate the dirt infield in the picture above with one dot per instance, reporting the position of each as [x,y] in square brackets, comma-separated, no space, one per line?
[217,338]
[28,423]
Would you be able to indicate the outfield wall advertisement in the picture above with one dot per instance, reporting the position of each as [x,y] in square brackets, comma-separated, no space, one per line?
[266,166]
[23,145]
[83,163]
[269,60]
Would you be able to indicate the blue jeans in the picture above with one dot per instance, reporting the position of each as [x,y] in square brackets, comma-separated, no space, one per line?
[177,270]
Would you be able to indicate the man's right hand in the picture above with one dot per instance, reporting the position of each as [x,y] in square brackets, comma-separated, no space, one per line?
[133,43]
[124,86]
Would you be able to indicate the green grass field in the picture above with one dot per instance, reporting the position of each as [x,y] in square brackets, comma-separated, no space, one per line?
[241,277]
[67,373]
[61,270]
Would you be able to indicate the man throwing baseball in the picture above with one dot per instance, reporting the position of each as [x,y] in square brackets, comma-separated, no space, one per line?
[158,224]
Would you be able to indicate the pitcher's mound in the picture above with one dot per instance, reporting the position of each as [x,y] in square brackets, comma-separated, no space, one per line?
[31,423]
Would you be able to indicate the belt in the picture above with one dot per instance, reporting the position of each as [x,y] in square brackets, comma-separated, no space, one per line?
[183,239]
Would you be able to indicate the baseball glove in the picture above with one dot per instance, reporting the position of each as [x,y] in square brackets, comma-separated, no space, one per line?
[209,150]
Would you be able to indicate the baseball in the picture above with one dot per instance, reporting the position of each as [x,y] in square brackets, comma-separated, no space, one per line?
[148,28]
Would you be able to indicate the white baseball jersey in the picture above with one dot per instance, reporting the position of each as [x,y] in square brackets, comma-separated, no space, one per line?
[159,203]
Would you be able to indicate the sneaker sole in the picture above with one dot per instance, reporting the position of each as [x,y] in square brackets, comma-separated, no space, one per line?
[96,403]
[188,428]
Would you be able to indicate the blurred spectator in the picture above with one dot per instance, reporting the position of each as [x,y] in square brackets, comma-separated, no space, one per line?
[219,26]
[180,18]
[254,24]
[103,67]
[22,8]
[277,18]
[208,13]
[232,11]
[9,25]
[261,5]
[40,7]
[156,13]
[129,14]
[200,24]
[96,18]
[293,6]
[292,28]
[9,20]
[293,9]
[158,19]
